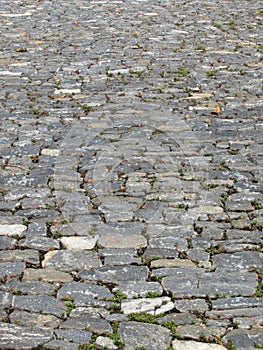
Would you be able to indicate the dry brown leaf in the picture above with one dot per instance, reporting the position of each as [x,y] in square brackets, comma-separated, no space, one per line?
[217,110]
[21,49]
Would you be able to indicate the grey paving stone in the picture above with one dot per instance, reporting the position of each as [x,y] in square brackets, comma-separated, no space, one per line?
[196,332]
[115,274]
[29,287]
[70,260]
[244,339]
[42,304]
[145,335]
[5,299]
[236,303]
[11,269]
[93,324]
[229,284]
[140,289]
[29,319]
[28,256]
[84,294]
[238,261]
[7,243]
[73,335]
[191,305]
[15,337]
[46,275]
[60,344]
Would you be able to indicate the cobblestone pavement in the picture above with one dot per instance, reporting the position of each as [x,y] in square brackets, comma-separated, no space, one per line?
[131,175]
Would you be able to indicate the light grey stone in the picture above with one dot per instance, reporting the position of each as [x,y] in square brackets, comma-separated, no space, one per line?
[193,345]
[46,275]
[13,230]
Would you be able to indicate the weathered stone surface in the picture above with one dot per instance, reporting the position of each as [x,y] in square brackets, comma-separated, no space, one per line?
[13,230]
[239,261]
[191,305]
[149,336]
[116,274]
[29,287]
[60,344]
[70,260]
[245,339]
[181,286]
[41,304]
[228,283]
[196,332]
[105,343]
[79,243]
[11,269]
[140,288]
[28,255]
[153,306]
[29,319]
[93,324]
[226,314]
[46,275]
[193,345]
[84,294]
[236,303]
[121,241]
[73,335]
[5,300]
[23,338]
[171,263]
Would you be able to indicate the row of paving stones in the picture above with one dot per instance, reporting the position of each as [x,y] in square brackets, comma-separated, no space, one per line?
[131,187]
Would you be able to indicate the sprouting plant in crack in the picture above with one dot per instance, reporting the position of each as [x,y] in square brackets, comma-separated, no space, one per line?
[115,336]
[172,326]
[69,302]
[142,317]
[198,229]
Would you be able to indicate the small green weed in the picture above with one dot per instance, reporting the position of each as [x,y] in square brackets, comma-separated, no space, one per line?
[152,294]
[115,336]
[142,317]
[171,325]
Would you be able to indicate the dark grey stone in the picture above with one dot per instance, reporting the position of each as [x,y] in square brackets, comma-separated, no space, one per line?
[23,338]
[84,294]
[115,274]
[70,260]
[93,324]
[73,335]
[41,304]
[244,339]
[246,260]
[149,336]
[11,269]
